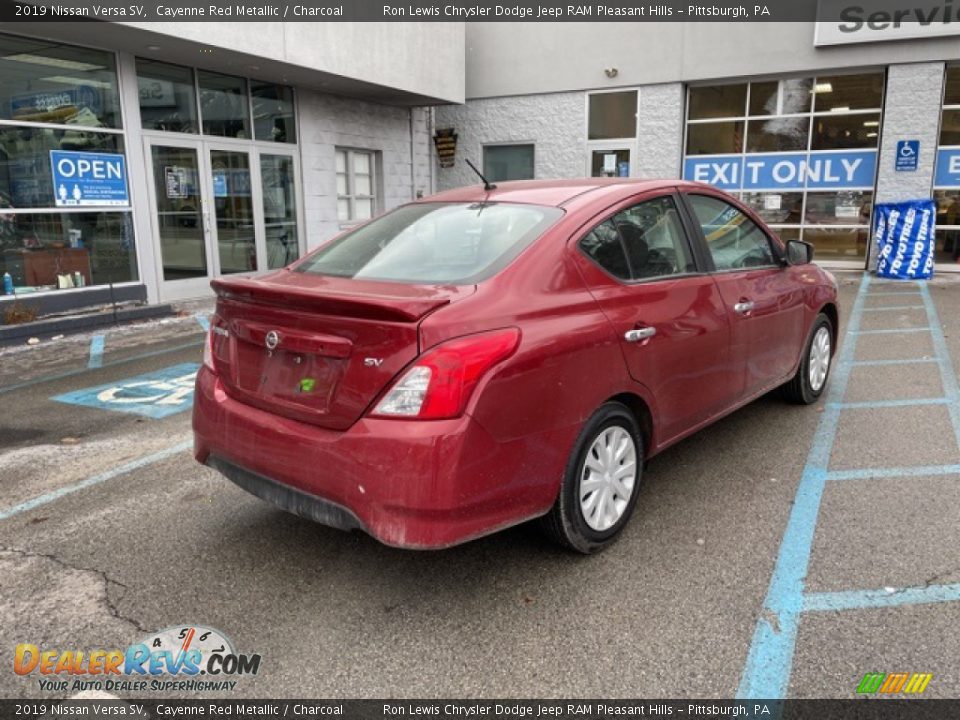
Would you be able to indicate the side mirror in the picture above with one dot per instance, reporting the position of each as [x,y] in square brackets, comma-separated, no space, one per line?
[799,252]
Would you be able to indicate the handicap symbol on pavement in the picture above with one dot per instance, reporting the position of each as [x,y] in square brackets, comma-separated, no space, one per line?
[154,395]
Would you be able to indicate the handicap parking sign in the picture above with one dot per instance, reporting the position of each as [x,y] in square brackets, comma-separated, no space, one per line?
[908,154]
[154,395]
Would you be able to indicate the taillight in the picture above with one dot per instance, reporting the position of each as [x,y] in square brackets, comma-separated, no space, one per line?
[440,382]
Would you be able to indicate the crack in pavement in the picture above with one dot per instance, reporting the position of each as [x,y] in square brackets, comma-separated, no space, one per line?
[107,582]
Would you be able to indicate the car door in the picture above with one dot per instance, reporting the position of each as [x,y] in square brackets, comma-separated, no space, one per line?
[667,313]
[762,298]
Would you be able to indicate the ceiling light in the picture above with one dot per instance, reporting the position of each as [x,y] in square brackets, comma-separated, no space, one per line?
[871,134]
[871,123]
[841,108]
[54,62]
[823,87]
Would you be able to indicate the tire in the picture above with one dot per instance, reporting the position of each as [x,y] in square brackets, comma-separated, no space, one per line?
[584,529]
[803,389]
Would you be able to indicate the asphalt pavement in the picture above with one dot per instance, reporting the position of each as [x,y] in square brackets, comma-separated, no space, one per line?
[785,549]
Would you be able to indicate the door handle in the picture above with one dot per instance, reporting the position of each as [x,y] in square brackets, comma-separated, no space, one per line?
[639,334]
[744,307]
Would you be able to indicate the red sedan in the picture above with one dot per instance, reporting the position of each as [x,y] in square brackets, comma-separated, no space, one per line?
[485,357]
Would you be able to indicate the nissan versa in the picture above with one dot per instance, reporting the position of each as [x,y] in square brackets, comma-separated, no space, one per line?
[496,354]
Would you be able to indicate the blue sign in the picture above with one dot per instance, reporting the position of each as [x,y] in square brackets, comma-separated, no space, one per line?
[908,154]
[154,395]
[623,169]
[219,184]
[823,170]
[948,168]
[84,178]
[904,236]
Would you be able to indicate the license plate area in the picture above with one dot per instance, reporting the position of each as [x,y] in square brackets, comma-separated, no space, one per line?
[288,377]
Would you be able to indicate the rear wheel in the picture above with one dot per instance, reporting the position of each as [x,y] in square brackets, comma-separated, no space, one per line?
[601,482]
[811,378]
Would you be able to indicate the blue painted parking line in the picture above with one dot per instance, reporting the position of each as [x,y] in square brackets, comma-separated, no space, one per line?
[891,331]
[112,363]
[861,599]
[948,379]
[899,293]
[888,308]
[893,472]
[903,361]
[874,404]
[96,352]
[770,658]
[154,395]
[95,479]
[204,321]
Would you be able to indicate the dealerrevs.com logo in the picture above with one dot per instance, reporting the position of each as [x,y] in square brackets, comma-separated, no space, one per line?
[180,658]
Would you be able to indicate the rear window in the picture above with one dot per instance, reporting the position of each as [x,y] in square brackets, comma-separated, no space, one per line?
[434,243]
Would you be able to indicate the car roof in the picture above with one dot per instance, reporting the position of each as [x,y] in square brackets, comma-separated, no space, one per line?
[556,193]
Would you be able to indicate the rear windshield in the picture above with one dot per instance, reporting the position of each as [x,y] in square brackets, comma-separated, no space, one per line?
[434,243]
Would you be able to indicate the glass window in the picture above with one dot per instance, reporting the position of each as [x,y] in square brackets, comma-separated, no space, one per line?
[434,243]
[508,162]
[356,185]
[778,134]
[843,207]
[797,94]
[776,208]
[168,99]
[48,82]
[715,138]
[654,239]
[612,115]
[224,109]
[951,94]
[279,209]
[718,101]
[843,132]
[26,180]
[838,243]
[950,128]
[50,251]
[605,246]
[734,240]
[763,97]
[948,225]
[601,162]
[837,93]
[273,112]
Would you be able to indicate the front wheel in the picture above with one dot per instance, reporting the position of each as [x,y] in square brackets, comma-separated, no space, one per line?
[811,378]
[601,482]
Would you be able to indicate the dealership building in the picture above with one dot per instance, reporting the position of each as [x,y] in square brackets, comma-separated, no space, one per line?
[143,160]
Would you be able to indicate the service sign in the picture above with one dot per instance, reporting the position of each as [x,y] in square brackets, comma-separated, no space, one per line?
[827,170]
[846,22]
[82,179]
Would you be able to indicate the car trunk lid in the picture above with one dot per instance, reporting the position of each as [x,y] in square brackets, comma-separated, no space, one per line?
[318,349]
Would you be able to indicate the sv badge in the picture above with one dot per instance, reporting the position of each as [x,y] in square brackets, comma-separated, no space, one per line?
[373,362]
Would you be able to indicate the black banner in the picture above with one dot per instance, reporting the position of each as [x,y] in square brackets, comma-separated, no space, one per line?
[411,10]
[853,709]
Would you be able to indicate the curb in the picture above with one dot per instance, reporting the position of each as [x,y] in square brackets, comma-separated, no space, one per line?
[17,334]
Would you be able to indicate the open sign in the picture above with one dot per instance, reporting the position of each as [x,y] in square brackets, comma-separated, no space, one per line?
[89,179]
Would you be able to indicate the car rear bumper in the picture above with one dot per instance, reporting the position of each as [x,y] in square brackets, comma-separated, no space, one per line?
[410,484]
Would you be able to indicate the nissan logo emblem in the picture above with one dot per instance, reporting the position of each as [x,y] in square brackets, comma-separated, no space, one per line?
[272,340]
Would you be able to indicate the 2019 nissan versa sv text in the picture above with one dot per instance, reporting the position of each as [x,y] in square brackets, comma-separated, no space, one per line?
[485,357]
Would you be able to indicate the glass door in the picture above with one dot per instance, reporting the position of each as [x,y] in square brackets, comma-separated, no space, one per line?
[234,212]
[220,208]
[179,221]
